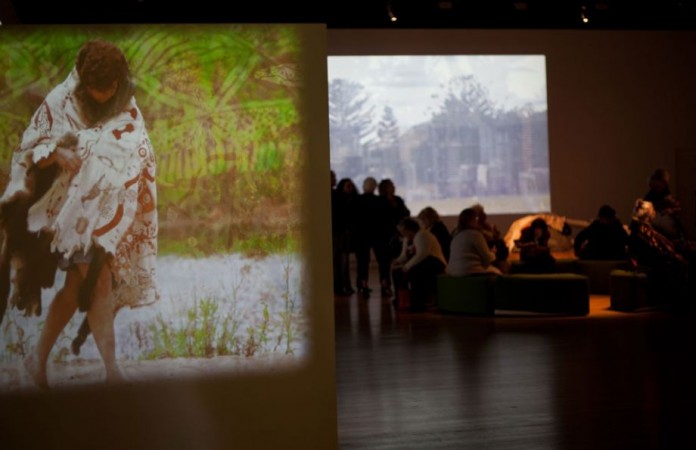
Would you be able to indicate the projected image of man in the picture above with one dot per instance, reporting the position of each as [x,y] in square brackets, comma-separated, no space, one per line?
[98,208]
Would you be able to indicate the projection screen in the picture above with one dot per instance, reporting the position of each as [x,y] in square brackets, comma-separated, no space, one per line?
[449,130]
[189,199]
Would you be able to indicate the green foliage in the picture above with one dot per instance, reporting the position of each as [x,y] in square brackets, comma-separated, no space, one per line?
[211,327]
[288,314]
[17,340]
[195,336]
[220,103]
[204,333]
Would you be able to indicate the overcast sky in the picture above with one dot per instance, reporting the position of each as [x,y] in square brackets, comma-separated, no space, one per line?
[414,85]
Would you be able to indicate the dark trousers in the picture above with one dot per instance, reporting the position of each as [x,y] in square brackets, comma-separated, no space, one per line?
[341,262]
[420,280]
[384,261]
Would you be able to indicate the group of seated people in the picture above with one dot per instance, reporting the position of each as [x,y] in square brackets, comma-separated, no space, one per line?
[428,250]
[654,242]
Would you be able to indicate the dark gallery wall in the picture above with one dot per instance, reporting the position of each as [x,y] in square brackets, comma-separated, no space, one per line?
[621,103]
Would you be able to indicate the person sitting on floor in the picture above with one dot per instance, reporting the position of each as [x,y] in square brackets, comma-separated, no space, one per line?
[604,239]
[415,271]
[469,251]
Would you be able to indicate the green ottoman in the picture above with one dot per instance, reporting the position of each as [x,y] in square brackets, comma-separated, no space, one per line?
[599,273]
[629,290]
[564,293]
[470,294]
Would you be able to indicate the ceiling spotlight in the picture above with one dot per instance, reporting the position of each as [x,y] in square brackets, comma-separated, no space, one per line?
[391,14]
[521,6]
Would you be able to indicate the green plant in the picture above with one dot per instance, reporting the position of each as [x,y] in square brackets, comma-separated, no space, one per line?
[288,314]
[18,339]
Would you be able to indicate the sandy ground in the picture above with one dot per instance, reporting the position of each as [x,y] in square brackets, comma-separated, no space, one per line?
[80,371]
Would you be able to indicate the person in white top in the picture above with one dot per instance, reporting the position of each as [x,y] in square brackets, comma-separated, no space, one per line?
[469,252]
[419,263]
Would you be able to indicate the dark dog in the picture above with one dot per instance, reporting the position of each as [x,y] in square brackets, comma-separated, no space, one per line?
[28,253]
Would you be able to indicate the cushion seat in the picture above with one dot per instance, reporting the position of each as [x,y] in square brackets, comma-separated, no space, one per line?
[564,293]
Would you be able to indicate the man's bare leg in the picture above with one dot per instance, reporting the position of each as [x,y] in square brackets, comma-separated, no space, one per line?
[60,311]
[101,320]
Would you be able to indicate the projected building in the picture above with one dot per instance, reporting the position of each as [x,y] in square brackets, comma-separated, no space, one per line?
[449,130]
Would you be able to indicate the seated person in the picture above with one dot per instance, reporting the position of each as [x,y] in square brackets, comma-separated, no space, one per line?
[558,227]
[604,239]
[668,222]
[534,247]
[420,262]
[651,250]
[431,220]
[494,239]
[469,251]
[647,246]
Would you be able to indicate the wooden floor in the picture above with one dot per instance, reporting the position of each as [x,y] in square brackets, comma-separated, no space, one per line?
[427,380]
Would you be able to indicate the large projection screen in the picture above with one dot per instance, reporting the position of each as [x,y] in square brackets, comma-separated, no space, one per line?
[227,171]
[449,130]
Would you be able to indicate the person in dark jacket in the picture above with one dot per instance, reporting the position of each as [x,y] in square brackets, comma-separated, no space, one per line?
[534,247]
[604,239]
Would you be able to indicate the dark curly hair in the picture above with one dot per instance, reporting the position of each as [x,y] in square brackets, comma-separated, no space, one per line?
[100,63]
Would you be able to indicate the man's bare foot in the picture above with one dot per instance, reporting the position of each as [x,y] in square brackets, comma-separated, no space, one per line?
[114,375]
[38,375]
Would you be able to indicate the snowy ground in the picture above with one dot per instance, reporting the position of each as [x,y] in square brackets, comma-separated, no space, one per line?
[240,289]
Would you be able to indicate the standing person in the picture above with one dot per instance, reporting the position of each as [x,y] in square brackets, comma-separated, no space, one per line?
[658,187]
[100,211]
[366,234]
[470,253]
[345,221]
[420,262]
[336,236]
[392,210]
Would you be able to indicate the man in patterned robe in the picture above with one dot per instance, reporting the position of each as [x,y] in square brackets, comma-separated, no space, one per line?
[102,202]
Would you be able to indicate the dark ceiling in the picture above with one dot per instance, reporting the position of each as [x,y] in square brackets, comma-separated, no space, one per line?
[515,14]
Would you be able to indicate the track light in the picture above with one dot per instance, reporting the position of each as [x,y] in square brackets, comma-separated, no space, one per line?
[390,13]
[521,5]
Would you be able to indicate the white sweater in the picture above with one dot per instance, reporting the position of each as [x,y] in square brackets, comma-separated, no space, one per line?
[469,253]
[426,244]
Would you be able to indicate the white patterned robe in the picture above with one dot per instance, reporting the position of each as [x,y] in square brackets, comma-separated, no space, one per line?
[111,201]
